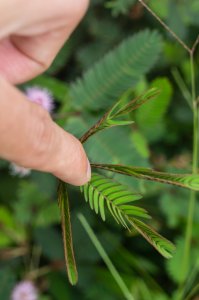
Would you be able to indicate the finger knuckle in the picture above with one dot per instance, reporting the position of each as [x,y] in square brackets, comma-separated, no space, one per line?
[45,64]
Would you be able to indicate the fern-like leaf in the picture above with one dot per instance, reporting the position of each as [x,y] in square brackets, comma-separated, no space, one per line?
[162,245]
[113,116]
[102,192]
[117,71]
[67,234]
[190,181]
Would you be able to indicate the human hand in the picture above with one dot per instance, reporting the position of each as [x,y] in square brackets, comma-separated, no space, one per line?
[31,34]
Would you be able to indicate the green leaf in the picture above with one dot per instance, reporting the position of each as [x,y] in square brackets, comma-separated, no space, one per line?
[67,234]
[174,266]
[112,117]
[150,117]
[162,245]
[6,221]
[190,181]
[117,71]
[140,144]
[102,192]
[120,109]
[160,8]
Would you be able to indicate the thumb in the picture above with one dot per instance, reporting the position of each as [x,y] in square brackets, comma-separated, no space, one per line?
[30,138]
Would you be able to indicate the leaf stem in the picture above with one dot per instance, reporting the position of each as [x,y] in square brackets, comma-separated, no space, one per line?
[189,181]
[122,109]
[93,129]
[63,203]
[182,86]
[192,201]
[105,258]
[195,117]
[176,37]
[191,209]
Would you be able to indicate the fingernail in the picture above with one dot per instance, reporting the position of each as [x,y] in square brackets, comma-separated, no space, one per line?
[88,174]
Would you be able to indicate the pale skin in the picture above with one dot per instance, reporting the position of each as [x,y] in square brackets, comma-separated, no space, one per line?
[31,34]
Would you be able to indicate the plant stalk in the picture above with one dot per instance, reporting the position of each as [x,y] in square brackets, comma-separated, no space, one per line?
[166,27]
[106,259]
[192,201]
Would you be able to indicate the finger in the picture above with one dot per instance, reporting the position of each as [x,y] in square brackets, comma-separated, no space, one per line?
[38,16]
[30,138]
[28,53]
[22,58]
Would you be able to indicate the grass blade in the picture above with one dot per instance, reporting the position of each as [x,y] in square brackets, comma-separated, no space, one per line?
[106,259]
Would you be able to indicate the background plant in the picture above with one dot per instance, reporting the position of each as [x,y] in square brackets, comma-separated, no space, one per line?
[160,138]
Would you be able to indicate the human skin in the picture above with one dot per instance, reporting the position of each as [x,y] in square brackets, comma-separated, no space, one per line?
[31,34]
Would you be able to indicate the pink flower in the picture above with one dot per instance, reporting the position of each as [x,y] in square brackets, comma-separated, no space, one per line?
[41,96]
[18,170]
[24,290]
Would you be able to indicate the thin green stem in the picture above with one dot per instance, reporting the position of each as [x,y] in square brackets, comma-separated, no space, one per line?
[105,258]
[195,118]
[193,292]
[188,235]
[182,87]
[166,27]
[191,279]
[192,201]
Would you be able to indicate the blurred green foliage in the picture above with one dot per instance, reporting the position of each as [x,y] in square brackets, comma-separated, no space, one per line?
[118,50]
